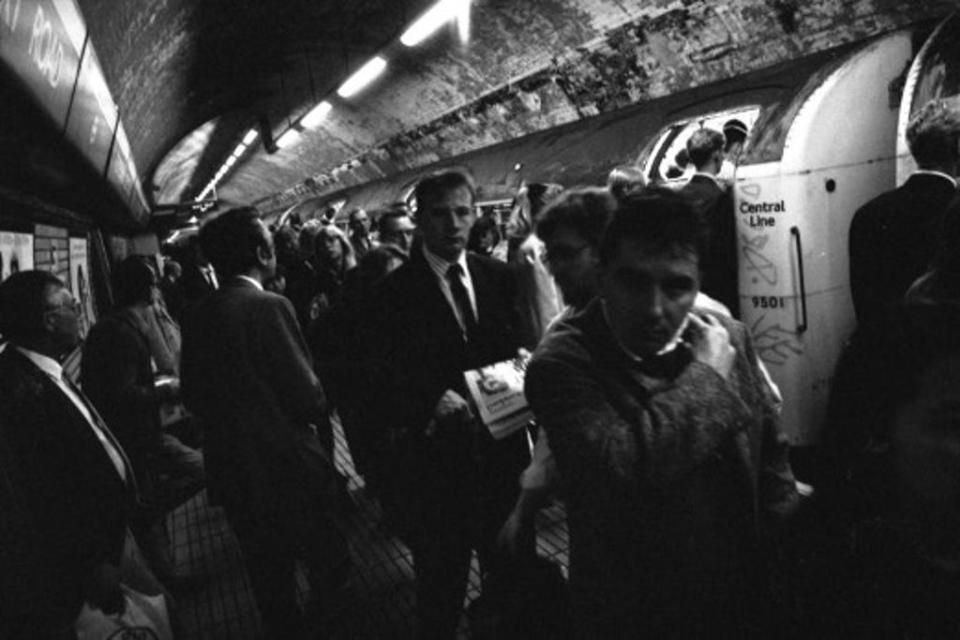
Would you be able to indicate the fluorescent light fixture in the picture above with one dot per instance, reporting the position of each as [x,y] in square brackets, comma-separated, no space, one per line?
[363,76]
[289,138]
[435,17]
[232,160]
[250,137]
[463,21]
[316,115]
[240,149]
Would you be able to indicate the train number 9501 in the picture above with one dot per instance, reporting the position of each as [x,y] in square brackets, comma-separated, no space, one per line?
[769,302]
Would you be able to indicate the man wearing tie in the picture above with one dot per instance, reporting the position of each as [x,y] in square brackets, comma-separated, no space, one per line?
[444,312]
[66,487]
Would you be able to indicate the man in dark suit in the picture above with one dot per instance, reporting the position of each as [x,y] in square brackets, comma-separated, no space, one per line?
[893,237]
[444,312]
[66,487]
[246,373]
[714,202]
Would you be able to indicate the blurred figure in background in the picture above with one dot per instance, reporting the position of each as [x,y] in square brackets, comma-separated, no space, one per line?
[484,237]
[538,299]
[359,233]
[714,203]
[625,180]
[397,228]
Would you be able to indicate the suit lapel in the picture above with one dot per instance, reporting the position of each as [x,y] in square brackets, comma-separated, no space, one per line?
[77,429]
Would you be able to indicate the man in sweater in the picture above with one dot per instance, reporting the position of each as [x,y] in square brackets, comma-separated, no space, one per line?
[666,438]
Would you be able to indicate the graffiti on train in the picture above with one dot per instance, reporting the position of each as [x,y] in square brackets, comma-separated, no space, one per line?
[774,343]
[758,265]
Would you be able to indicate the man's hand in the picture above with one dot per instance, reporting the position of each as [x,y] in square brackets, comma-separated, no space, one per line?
[451,409]
[711,344]
[103,589]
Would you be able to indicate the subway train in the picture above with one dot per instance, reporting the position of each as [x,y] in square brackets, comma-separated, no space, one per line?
[89,175]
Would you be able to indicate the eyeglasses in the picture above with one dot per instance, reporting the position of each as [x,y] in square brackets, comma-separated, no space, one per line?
[72,305]
[562,253]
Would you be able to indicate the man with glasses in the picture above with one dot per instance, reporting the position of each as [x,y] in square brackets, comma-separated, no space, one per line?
[442,313]
[66,486]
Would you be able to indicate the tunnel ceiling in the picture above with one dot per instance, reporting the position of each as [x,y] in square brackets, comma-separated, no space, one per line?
[191,77]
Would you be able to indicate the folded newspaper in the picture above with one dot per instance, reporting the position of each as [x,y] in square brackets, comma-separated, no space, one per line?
[497,392]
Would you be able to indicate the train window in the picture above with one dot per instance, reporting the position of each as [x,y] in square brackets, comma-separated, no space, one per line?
[668,165]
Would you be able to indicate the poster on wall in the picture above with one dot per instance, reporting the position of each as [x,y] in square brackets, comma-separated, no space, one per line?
[80,283]
[51,251]
[16,253]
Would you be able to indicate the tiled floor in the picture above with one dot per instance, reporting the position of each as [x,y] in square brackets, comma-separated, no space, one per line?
[380,600]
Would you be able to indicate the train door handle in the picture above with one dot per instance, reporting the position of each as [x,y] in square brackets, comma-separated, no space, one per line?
[795,233]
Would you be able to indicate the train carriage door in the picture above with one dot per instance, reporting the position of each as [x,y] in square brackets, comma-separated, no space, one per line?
[666,165]
[935,73]
[793,220]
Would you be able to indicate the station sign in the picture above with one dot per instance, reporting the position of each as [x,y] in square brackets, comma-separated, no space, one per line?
[45,43]
[41,42]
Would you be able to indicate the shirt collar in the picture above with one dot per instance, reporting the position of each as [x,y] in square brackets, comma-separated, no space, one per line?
[934,172]
[45,363]
[672,344]
[440,266]
[252,281]
[715,179]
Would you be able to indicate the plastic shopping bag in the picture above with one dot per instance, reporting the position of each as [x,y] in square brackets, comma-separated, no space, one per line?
[143,618]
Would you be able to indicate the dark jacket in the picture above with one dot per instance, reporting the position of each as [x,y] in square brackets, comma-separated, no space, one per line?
[669,472]
[64,507]
[892,239]
[117,376]
[420,348]
[248,376]
[718,262]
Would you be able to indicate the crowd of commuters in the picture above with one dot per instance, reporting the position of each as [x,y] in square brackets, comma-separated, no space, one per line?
[655,421]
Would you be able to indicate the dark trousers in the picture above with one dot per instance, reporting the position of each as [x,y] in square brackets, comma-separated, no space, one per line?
[453,524]
[297,528]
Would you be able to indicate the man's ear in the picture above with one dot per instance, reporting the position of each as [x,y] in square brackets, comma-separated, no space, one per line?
[264,254]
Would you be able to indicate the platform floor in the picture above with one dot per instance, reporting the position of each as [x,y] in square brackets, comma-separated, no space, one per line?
[379,601]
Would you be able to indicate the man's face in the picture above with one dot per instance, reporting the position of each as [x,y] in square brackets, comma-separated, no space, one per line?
[647,292]
[398,231]
[360,223]
[445,223]
[61,318]
[574,265]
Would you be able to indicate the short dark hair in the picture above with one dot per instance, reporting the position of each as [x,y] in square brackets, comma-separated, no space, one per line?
[392,213]
[230,241]
[625,179]
[23,303]
[436,185]
[658,218]
[702,144]
[932,133]
[132,280]
[587,211]
[734,131]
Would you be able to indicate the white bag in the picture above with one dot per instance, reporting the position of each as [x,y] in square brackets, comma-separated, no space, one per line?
[144,618]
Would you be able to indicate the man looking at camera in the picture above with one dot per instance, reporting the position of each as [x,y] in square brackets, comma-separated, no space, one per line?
[444,312]
[666,438]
